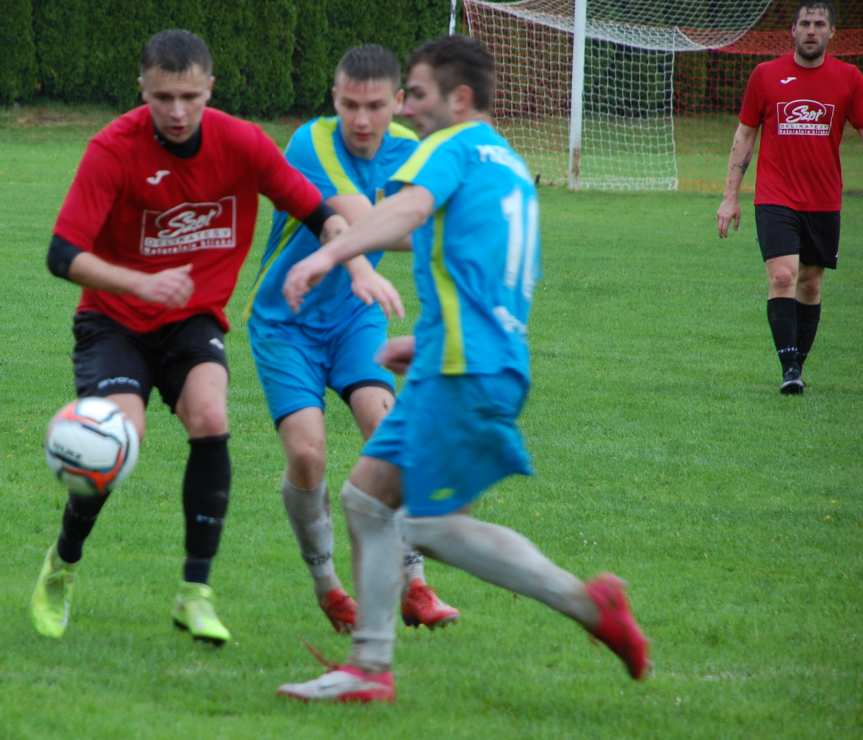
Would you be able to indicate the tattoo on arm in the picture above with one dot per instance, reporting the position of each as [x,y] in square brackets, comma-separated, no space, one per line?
[744,165]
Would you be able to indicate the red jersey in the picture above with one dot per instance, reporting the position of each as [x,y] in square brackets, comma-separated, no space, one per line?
[135,204]
[802,112]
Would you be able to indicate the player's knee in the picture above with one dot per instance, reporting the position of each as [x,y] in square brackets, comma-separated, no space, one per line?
[306,462]
[783,278]
[207,420]
[809,291]
[354,499]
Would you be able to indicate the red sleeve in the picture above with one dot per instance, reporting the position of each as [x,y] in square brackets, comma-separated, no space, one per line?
[287,188]
[855,109]
[91,197]
[750,111]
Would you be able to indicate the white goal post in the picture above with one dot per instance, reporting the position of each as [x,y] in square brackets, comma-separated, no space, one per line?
[585,87]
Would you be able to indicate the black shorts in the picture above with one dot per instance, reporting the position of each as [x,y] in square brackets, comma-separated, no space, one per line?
[814,236]
[109,358]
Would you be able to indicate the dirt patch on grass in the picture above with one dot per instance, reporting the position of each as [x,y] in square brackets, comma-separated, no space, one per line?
[54,116]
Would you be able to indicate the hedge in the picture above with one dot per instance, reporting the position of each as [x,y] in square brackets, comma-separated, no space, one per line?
[18,72]
[271,58]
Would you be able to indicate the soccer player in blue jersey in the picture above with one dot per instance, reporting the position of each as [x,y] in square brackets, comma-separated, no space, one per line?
[471,203]
[333,339]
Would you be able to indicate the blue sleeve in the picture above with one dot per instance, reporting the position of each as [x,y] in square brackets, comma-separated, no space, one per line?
[439,167]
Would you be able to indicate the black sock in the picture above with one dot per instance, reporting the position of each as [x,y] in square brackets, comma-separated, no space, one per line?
[808,316]
[79,517]
[205,502]
[197,570]
[782,317]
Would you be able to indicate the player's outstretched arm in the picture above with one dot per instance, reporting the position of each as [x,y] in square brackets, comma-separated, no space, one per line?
[172,287]
[738,162]
[384,227]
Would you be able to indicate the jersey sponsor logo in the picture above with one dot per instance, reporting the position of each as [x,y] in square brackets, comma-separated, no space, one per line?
[190,227]
[157,178]
[502,155]
[788,79]
[804,118]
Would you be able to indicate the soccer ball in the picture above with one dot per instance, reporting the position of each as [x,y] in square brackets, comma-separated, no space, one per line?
[91,446]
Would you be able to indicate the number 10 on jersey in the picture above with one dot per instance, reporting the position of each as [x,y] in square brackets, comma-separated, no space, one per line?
[523,221]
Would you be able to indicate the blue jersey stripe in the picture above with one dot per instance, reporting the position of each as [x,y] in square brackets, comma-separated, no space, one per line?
[290,227]
[409,170]
[323,131]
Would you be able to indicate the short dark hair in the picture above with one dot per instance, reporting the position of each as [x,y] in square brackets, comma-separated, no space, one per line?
[370,62]
[824,5]
[458,60]
[176,50]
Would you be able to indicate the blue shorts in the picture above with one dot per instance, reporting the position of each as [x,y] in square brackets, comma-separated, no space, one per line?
[453,436]
[296,364]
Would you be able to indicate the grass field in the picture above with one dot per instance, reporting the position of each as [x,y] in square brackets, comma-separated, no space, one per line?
[663,450]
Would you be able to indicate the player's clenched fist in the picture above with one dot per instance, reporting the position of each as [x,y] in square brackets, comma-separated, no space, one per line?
[172,287]
[397,354]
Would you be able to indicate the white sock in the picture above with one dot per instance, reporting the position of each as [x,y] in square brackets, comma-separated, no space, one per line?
[413,565]
[377,556]
[309,515]
[502,557]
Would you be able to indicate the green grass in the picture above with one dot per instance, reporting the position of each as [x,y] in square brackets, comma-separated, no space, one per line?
[701,143]
[663,452]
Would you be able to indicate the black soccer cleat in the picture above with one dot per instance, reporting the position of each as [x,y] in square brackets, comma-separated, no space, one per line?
[792,383]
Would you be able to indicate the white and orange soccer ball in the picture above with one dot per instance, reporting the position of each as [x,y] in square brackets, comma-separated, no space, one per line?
[91,446]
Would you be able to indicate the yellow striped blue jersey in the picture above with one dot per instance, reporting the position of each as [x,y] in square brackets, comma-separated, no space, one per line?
[317,150]
[477,259]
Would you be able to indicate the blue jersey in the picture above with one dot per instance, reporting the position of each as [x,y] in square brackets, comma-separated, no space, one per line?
[317,150]
[476,260]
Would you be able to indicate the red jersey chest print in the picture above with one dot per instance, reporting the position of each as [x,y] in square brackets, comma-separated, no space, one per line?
[189,227]
[804,118]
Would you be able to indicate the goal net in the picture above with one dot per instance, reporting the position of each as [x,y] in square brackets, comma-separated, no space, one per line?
[610,124]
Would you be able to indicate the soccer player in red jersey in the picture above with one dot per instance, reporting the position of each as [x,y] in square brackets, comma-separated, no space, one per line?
[801,102]
[155,228]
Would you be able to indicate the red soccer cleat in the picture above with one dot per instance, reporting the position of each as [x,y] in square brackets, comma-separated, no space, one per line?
[421,605]
[344,683]
[617,627]
[340,609]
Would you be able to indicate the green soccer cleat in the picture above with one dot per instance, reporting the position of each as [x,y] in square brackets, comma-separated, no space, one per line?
[194,611]
[52,597]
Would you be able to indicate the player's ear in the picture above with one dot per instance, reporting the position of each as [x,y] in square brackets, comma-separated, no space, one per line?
[461,99]
[400,100]
[210,81]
